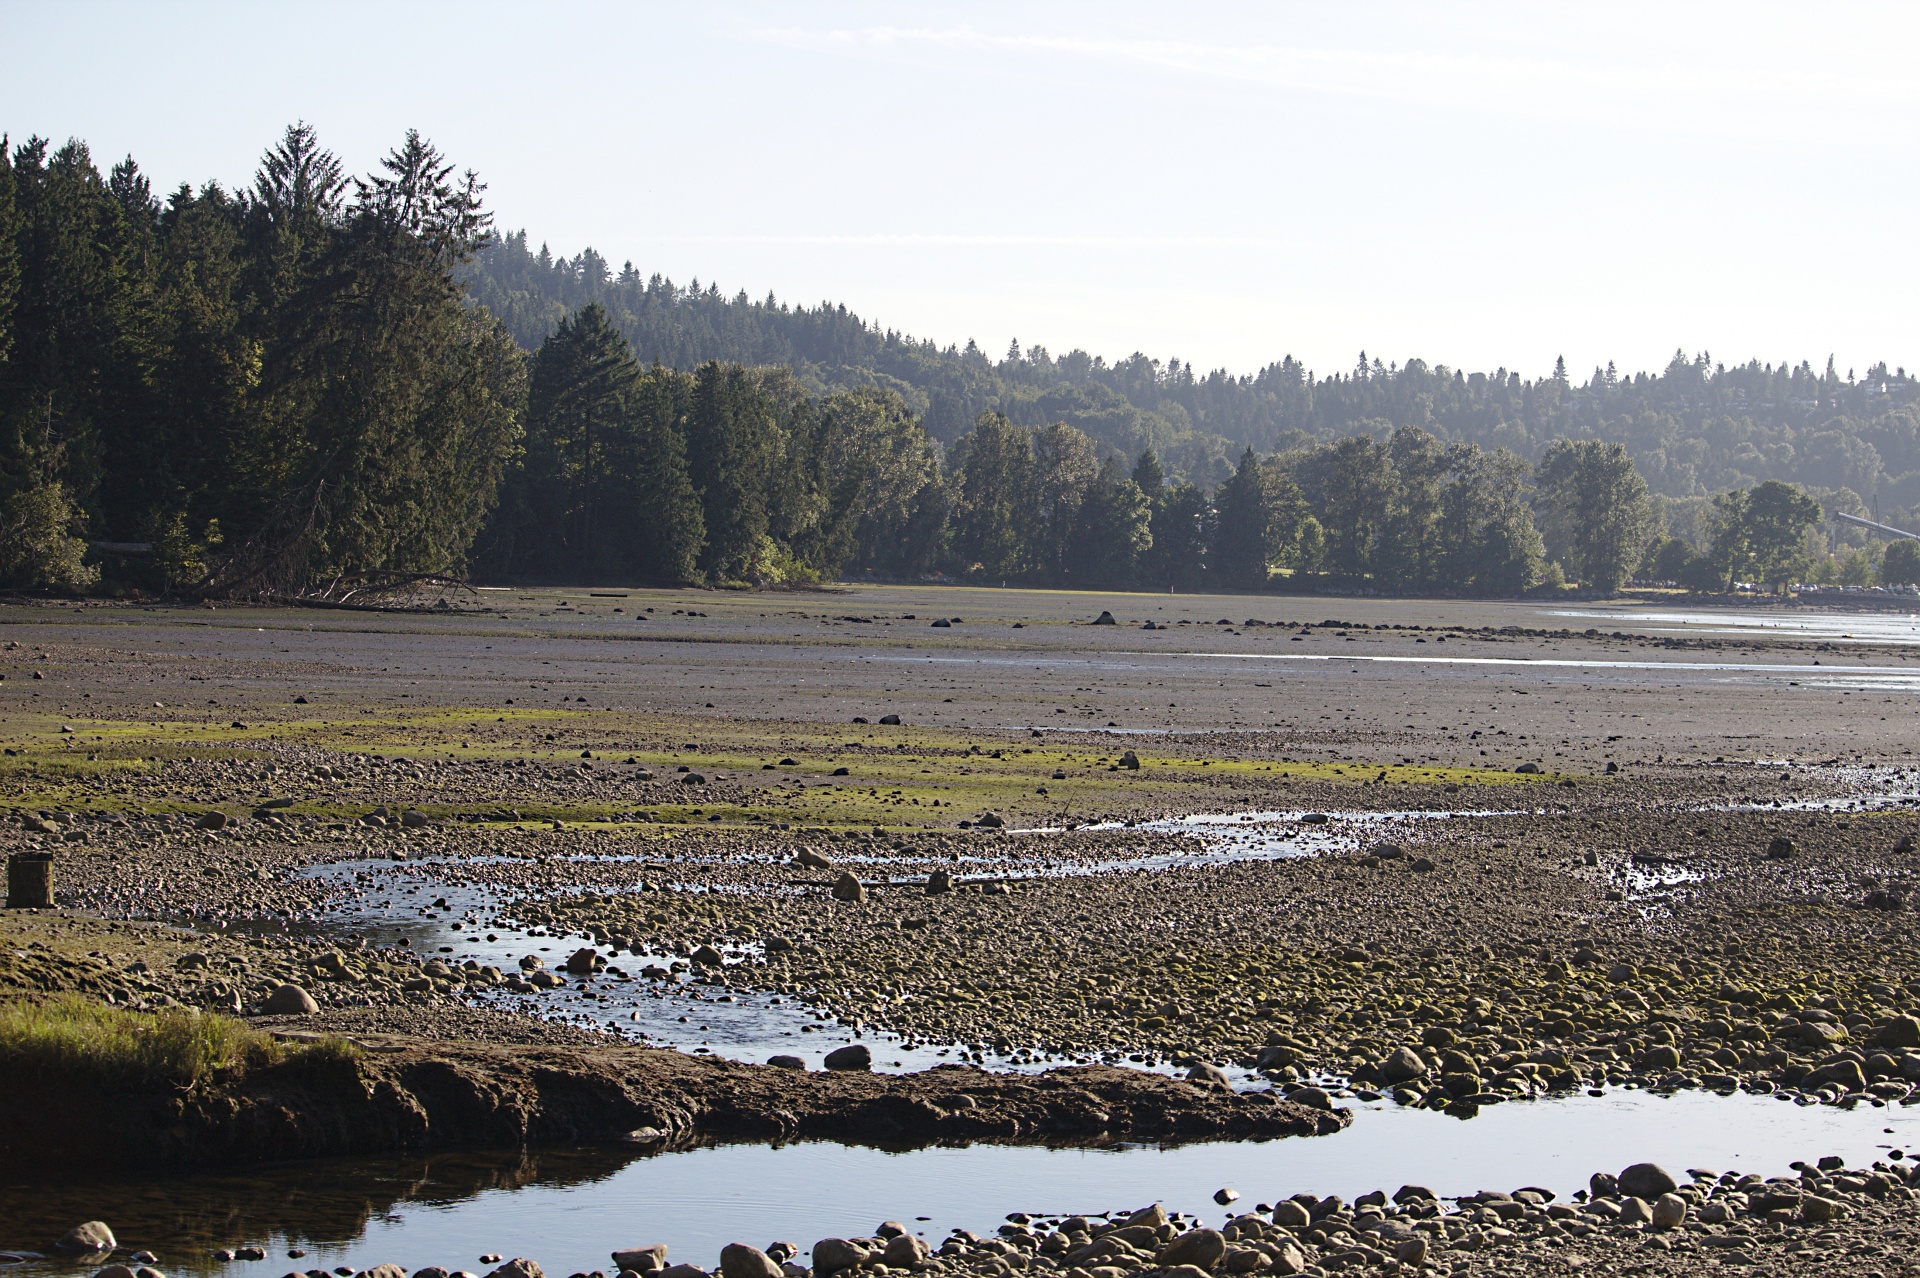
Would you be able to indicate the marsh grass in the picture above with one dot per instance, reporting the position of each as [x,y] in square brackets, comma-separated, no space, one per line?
[74,1037]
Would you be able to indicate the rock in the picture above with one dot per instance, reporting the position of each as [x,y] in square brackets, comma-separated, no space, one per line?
[115,1271]
[683,1270]
[1291,1214]
[290,1000]
[1225,1196]
[1814,1208]
[1202,1248]
[1105,619]
[904,1251]
[1211,1075]
[378,1271]
[93,1236]
[1635,1211]
[738,1260]
[544,981]
[1903,844]
[1152,1217]
[1781,849]
[831,1255]
[1663,1057]
[413,819]
[1603,1185]
[1844,1073]
[426,1271]
[1621,972]
[852,1056]
[811,859]
[1130,761]
[1411,1251]
[787,1062]
[1647,1180]
[1402,1065]
[519,1267]
[1438,1036]
[1528,769]
[1670,1212]
[642,1259]
[890,720]
[990,821]
[693,778]
[847,888]
[1901,1031]
[1312,1097]
[707,956]
[584,962]
[1288,1259]
[939,882]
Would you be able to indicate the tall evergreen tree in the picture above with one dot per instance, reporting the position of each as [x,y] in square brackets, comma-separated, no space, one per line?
[1115,528]
[733,450]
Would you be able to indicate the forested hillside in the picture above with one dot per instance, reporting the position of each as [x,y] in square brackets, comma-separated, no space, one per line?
[1694,428]
[317,382]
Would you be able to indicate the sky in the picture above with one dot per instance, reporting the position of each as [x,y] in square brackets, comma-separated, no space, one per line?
[1476,185]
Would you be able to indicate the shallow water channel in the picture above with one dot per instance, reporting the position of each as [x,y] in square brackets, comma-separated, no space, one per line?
[434,912]
[570,1209]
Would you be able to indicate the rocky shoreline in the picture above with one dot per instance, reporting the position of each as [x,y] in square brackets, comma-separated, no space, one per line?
[1642,1220]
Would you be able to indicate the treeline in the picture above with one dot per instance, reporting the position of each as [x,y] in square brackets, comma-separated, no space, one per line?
[1694,428]
[314,382]
[268,387]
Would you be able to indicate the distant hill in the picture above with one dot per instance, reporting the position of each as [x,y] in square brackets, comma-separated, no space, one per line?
[1695,427]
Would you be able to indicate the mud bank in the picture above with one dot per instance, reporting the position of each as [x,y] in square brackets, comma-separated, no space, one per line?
[411,1096]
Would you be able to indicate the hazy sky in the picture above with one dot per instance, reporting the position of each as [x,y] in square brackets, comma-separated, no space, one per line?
[1477,185]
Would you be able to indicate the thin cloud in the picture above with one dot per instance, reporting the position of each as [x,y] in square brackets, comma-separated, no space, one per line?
[1412,76]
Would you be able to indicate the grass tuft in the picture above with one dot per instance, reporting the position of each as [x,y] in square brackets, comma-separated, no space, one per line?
[73,1036]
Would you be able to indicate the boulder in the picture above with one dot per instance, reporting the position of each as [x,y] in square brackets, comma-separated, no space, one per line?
[831,1255]
[787,1062]
[1292,1215]
[115,1271]
[1202,1248]
[707,956]
[1647,1180]
[1210,1075]
[939,882]
[1153,1217]
[1669,1212]
[811,859]
[990,821]
[1781,849]
[1411,1251]
[738,1260]
[1105,619]
[683,1270]
[93,1236]
[290,1000]
[1402,1065]
[584,962]
[212,821]
[519,1267]
[847,888]
[1311,1097]
[642,1259]
[890,720]
[904,1251]
[852,1056]
[413,819]
[1901,1031]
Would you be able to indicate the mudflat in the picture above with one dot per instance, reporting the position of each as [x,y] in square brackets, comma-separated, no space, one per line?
[1461,853]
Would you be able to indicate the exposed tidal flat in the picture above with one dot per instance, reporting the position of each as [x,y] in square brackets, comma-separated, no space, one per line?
[552,874]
